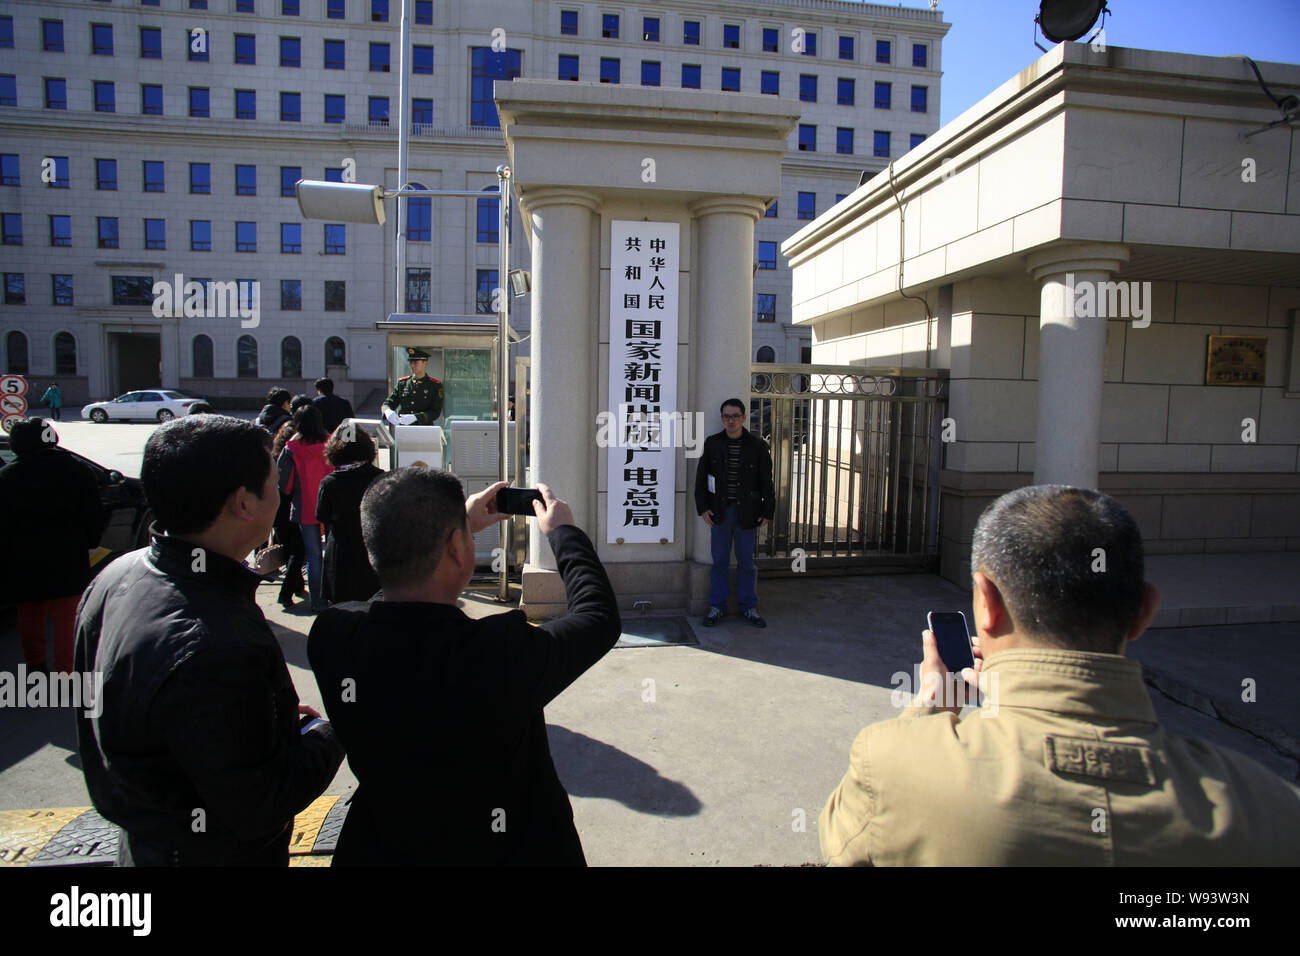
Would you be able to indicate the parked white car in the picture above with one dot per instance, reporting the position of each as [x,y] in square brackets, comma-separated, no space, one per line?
[158,404]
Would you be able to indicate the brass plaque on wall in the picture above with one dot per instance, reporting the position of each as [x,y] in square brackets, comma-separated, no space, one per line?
[1236,359]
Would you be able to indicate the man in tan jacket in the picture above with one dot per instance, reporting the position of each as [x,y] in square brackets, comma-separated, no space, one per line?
[1066,762]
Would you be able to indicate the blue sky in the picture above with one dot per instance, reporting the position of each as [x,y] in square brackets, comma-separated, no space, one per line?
[992,40]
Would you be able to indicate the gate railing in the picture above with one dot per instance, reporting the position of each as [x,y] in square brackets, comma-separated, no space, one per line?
[855,457]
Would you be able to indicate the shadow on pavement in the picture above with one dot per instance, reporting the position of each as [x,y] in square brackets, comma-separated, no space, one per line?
[589,768]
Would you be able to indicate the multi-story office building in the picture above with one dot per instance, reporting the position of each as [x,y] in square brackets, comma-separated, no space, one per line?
[149,139]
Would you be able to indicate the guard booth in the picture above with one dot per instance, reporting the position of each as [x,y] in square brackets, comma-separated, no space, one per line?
[463,356]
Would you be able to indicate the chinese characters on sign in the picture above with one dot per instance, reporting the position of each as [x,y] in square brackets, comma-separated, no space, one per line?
[642,380]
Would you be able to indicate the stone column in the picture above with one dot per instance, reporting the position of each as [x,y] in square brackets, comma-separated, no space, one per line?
[721,332]
[561,425]
[1071,361]
[169,343]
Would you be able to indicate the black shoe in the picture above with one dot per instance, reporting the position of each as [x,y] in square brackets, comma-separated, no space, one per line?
[753,617]
[713,617]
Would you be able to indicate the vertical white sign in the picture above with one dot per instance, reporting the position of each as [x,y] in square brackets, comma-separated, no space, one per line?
[643,301]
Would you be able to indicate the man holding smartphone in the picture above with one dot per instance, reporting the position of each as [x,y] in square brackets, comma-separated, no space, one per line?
[446,709]
[1071,766]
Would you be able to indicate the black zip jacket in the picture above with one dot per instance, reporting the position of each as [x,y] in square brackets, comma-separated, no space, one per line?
[198,712]
[436,706]
[757,496]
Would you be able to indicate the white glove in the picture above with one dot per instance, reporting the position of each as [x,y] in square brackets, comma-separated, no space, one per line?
[406,419]
[390,416]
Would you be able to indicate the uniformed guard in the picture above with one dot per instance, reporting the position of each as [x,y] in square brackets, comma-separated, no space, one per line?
[417,399]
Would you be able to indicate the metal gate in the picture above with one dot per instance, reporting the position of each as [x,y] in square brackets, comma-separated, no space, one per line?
[856,457]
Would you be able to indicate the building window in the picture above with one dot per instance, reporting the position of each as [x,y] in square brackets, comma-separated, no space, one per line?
[334,174]
[52,36]
[417,291]
[691,32]
[609,70]
[60,230]
[731,36]
[884,93]
[291,296]
[378,114]
[291,51]
[807,206]
[245,180]
[419,218]
[61,290]
[844,91]
[107,231]
[766,354]
[807,138]
[150,43]
[882,51]
[485,281]
[609,26]
[155,233]
[807,88]
[690,76]
[245,104]
[290,107]
[336,10]
[730,79]
[809,43]
[246,348]
[200,235]
[422,112]
[291,238]
[378,11]
[244,6]
[56,93]
[649,73]
[335,351]
[336,295]
[154,181]
[846,48]
[151,99]
[335,55]
[289,176]
[132,290]
[12,228]
[101,39]
[288,8]
[16,353]
[844,140]
[245,237]
[919,55]
[201,356]
[422,59]
[771,40]
[198,101]
[200,178]
[9,174]
[105,97]
[766,255]
[245,48]
[486,67]
[290,348]
[920,99]
[771,210]
[379,57]
[105,173]
[15,288]
[8,90]
[196,43]
[336,240]
[650,29]
[568,68]
[766,306]
[881,143]
[424,12]
[334,111]
[569,22]
[488,214]
[770,83]
[916,140]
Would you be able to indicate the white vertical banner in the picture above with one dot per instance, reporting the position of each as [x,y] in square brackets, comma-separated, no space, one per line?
[643,301]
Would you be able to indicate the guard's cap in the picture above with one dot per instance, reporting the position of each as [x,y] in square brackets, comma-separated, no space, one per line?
[413,353]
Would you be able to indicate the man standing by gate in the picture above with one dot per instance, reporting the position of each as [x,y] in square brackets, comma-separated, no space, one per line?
[735,496]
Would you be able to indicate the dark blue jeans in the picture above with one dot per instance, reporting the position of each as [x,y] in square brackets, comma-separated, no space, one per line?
[724,532]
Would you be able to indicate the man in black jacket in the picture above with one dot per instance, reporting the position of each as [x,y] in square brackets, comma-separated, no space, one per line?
[333,408]
[197,753]
[276,410]
[735,496]
[447,709]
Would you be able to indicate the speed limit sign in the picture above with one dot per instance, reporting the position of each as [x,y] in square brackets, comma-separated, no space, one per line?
[7,422]
[12,404]
[13,385]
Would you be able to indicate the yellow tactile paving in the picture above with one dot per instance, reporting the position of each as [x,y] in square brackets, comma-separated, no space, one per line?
[307,824]
[306,859]
[24,833]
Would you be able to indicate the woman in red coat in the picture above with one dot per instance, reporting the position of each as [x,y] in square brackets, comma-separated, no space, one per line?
[302,465]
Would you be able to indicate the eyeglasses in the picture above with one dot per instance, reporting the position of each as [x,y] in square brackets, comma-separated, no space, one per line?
[734,418]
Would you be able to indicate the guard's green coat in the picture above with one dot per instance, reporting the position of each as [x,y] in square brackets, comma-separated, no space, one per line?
[421,397]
